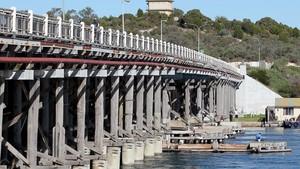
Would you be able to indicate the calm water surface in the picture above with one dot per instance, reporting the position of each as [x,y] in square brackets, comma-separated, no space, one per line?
[235,160]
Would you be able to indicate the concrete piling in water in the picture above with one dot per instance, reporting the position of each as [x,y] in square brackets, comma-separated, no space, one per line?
[149,147]
[113,157]
[99,164]
[139,151]
[128,153]
[158,145]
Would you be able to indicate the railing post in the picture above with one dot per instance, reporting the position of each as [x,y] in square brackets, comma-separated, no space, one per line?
[161,46]
[175,50]
[82,31]
[131,40]
[109,37]
[124,39]
[71,28]
[153,45]
[137,41]
[46,25]
[59,27]
[157,45]
[14,19]
[118,38]
[93,33]
[168,47]
[101,35]
[148,43]
[30,24]
[143,43]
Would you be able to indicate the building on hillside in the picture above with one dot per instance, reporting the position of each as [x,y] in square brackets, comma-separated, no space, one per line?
[161,6]
[285,109]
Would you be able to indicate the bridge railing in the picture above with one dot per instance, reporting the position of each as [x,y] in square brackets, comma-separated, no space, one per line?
[25,23]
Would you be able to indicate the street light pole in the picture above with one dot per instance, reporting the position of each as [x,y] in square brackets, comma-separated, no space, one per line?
[259,49]
[161,29]
[63,9]
[198,34]
[123,17]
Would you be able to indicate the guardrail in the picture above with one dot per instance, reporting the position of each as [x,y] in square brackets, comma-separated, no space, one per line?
[25,23]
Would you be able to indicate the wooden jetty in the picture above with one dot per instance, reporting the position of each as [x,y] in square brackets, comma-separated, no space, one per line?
[253,147]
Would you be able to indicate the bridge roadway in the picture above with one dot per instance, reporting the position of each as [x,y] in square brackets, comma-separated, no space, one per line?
[73,94]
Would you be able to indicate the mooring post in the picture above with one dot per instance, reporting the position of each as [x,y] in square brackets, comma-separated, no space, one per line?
[33,122]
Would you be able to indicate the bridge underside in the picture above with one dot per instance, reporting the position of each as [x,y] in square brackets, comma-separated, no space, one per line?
[71,93]
[55,107]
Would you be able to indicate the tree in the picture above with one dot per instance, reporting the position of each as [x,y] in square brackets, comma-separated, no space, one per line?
[55,12]
[260,75]
[284,36]
[178,12]
[195,17]
[238,32]
[88,16]
[295,33]
[140,13]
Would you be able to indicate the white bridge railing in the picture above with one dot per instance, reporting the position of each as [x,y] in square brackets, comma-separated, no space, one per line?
[28,24]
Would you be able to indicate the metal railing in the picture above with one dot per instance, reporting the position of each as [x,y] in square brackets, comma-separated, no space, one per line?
[29,24]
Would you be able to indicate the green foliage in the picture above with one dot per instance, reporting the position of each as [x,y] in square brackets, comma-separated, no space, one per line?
[260,75]
[251,118]
[140,13]
[284,36]
[295,33]
[238,32]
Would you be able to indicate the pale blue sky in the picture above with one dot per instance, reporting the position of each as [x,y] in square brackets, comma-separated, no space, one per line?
[285,11]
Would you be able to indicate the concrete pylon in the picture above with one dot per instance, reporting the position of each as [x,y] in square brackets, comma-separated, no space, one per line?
[139,150]
[113,157]
[149,147]
[99,164]
[158,145]
[128,153]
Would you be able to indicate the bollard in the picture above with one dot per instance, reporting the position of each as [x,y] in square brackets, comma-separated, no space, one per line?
[158,145]
[149,147]
[139,151]
[99,164]
[113,157]
[128,153]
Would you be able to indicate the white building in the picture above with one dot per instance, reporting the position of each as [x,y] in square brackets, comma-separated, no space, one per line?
[161,6]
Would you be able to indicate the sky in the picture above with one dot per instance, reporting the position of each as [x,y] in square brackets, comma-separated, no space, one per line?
[284,11]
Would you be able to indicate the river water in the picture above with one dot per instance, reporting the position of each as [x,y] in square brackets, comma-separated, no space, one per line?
[235,160]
